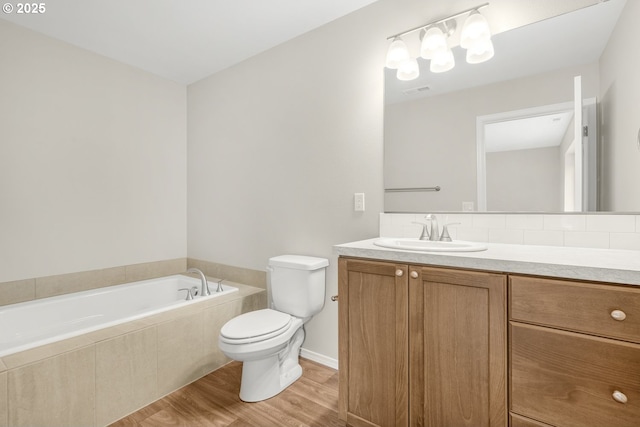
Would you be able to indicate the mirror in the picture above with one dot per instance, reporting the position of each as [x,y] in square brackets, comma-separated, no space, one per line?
[431,123]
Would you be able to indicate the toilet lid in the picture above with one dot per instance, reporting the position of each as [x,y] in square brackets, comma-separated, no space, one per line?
[256,325]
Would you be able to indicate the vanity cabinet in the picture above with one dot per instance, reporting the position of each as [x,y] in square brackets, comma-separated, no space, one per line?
[457,348]
[574,353]
[373,338]
[421,346]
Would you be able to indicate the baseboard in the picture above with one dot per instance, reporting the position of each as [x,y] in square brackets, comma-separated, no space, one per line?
[319,358]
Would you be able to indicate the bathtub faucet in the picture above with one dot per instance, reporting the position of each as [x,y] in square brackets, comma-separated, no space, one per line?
[205,285]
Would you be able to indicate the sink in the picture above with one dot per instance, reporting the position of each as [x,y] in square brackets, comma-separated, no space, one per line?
[429,245]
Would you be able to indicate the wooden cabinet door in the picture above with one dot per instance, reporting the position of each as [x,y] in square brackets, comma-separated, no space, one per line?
[373,343]
[457,348]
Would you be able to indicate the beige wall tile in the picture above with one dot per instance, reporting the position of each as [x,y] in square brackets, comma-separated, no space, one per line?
[180,352]
[4,415]
[77,282]
[59,391]
[227,272]
[126,374]
[17,291]
[150,270]
[37,354]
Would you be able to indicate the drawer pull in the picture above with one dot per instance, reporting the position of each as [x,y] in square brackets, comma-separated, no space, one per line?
[619,396]
[399,273]
[618,315]
[414,274]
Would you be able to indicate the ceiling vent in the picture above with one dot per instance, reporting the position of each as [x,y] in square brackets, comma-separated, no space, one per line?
[416,90]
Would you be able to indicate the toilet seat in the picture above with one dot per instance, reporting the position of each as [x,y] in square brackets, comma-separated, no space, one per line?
[255,326]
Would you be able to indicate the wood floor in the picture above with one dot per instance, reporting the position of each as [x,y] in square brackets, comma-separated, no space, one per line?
[213,401]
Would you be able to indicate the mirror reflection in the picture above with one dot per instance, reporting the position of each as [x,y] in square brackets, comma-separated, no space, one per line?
[442,130]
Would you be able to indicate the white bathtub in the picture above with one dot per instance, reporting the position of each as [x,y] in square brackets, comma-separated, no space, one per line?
[43,321]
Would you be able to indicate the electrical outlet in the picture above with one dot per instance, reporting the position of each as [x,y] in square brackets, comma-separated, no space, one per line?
[467,206]
[358,202]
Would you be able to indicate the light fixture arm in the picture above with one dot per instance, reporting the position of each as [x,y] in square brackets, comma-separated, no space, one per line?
[437,22]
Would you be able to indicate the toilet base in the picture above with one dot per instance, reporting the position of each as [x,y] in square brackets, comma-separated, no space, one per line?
[264,378]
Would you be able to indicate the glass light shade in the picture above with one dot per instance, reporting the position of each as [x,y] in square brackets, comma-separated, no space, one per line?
[397,53]
[443,61]
[408,70]
[432,42]
[480,52]
[475,29]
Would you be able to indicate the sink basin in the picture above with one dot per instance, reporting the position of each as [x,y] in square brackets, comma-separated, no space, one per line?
[429,246]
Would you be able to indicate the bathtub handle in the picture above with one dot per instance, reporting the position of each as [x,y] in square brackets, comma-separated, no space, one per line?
[189,294]
[220,286]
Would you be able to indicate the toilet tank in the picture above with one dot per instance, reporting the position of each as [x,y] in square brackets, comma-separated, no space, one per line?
[297,284]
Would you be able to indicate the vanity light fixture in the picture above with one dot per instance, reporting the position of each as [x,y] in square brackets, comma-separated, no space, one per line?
[434,46]
[476,38]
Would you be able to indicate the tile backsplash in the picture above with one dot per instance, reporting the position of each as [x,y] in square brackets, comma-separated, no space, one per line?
[607,231]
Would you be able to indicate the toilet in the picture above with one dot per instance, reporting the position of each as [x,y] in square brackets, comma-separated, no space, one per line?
[268,341]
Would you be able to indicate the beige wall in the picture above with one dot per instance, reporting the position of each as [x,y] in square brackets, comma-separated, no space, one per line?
[620,111]
[92,160]
[524,180]
[279,144]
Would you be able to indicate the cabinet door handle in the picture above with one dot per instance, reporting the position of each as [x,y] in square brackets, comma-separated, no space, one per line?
[414,274]
[619,396]
[618,315]
[399,273]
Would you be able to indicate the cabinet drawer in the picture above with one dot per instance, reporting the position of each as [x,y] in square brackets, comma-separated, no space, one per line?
[569,380]
[606,310]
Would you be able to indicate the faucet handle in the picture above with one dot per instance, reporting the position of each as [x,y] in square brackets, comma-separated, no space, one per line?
[444,237]
[219,289]
[424,235]
[189,294]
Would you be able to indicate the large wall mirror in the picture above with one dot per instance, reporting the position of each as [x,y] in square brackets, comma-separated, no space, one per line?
[550,124]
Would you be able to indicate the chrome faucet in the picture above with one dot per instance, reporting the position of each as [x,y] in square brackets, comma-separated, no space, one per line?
[434,234]
[205,285]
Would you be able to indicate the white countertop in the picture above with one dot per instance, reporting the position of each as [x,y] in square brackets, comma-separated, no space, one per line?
[603,265]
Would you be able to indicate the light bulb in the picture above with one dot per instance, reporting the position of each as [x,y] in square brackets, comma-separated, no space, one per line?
[408,70]
[443,61]
[432,42]
[475,29]
[397,53]
[481,51]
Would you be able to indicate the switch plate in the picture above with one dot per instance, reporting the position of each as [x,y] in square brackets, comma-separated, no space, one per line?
[467,206]
[358,202]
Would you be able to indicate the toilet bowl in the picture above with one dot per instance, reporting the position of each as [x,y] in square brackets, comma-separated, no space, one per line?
[265,370]
[268,341]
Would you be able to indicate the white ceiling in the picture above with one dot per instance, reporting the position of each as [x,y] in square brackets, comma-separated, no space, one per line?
[527,133]
[182,40]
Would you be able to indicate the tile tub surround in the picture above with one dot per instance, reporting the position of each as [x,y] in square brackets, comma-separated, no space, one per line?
[42,287]
[603,231]
[100,377]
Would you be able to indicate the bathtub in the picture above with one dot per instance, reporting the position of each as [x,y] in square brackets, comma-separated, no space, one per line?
[35,323]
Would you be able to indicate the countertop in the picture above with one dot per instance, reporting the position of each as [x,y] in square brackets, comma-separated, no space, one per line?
[602,265]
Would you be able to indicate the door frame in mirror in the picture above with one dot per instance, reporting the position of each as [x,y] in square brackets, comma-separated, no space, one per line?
[482,121]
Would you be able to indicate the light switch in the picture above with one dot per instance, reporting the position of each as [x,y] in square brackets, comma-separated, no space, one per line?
[358,202]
